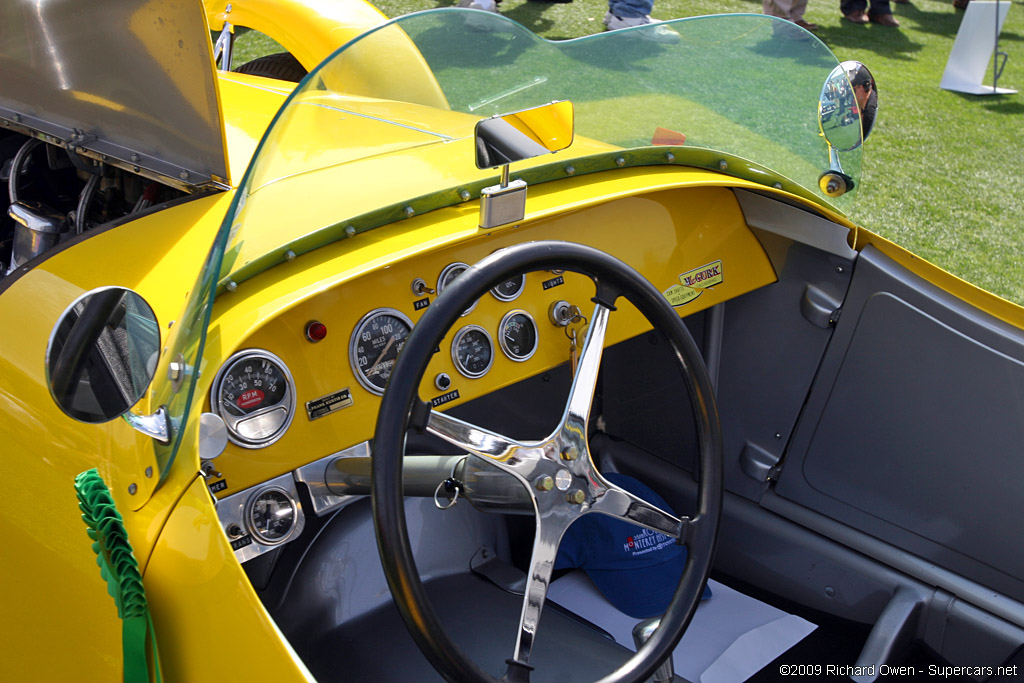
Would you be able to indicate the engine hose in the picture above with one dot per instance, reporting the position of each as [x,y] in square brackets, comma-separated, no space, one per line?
[19,160]
[84,200]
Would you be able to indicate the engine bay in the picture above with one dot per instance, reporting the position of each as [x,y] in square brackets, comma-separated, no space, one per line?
[56,195]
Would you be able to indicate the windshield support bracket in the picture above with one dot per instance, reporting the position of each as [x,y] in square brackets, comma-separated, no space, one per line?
[156,426]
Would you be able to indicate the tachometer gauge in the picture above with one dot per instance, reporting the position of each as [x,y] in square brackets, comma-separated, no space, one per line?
[509,289]
[376,342]
[448,276]
[270,515]
[517,335]
[473,351]
[253,393]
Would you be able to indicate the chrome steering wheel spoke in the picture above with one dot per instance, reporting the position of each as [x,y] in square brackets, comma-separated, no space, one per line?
[471,438]
[542,563]
[584,383]
[621,504]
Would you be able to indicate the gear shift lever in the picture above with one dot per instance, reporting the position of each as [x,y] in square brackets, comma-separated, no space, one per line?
[642,632]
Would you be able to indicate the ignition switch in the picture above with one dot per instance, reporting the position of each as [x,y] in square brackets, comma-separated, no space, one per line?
[560,313]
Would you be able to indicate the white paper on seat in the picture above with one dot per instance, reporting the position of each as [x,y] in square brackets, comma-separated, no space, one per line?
[732,636]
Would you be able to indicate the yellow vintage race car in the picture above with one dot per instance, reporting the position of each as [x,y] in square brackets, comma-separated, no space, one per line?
[477,356]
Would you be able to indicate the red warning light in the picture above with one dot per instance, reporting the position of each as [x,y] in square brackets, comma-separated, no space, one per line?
[316,331]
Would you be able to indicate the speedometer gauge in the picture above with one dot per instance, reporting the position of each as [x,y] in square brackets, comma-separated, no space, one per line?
[254,394]
[448,276]
[517,335]
[473,351]
[376,342]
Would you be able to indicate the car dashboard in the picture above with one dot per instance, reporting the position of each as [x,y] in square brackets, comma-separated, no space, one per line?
[302,385]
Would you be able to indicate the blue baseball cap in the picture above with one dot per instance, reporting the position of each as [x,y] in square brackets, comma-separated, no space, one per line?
[636,569]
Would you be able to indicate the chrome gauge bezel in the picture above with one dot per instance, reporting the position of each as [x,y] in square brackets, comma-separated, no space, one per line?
[504,345]
[510,297]
[465,372]
[232,422]
[353,344]
[251,502]
[444,274]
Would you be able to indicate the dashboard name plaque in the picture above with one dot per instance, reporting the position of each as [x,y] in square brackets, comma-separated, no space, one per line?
[325,405]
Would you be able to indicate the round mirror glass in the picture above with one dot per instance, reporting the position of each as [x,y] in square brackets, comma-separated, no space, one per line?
[846,108]
[102,354]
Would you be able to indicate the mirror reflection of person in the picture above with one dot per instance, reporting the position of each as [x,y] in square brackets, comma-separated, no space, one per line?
[867,98]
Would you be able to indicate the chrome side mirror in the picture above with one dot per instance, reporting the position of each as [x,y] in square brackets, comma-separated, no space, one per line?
[847,106]
[503,139]
[846,114]
[101,357]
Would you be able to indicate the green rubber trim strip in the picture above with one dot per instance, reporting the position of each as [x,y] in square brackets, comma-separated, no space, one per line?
[698,157]
[120,570]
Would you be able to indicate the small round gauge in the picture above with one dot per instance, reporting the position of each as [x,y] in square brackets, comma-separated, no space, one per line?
[517,335]
[253,393]
[473,351]
[376,342]
[271,515]
[448,276]
[509,289]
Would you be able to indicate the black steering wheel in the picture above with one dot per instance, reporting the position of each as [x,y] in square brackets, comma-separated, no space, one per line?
[564,457]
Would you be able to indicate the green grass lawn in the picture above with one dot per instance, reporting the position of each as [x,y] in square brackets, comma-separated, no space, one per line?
[937,169]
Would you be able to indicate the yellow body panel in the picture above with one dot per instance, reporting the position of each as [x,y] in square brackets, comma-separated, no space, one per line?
[159,257]
[389,66]
[210,623]
[310,30]
[250,103]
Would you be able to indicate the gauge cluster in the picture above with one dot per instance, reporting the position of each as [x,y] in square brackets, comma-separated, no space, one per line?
[255,394]
[380,335]
[333,355]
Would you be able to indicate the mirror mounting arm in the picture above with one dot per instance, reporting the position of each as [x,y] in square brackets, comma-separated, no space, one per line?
[156,426]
